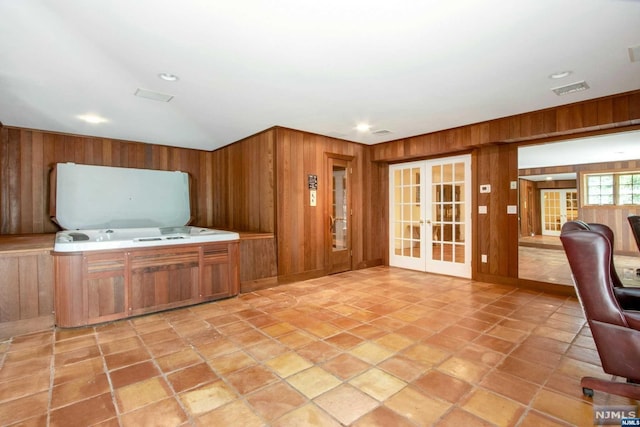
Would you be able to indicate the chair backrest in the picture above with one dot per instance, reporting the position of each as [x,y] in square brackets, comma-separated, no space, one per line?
[589,255]
[634,222]
[607,232]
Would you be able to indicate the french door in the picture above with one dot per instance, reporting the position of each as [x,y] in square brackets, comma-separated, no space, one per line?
[430,215]
[558,207]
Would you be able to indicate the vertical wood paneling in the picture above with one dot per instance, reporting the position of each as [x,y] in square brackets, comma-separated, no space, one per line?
[28,156]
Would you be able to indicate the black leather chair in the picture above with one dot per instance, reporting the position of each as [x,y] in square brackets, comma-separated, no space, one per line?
[615,330]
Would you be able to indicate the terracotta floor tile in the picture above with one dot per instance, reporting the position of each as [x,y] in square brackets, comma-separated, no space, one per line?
[403,368]
[344,340]
[309,416]
[266,350]
[346,403]
[296,339]
[573,411]
[394,341]
[72,391]
[478,353]
[313,382]
[162,348]
[231,362]
[510,386]
[493,407]
[165,412]
[234,413]
[464,369]
[288,364]
[23,408]
[275,400]
[371,352]
[318,352]
[118,346]
[378,384]
[126,358]
[29,353]
[425,354]
[381,417]
[419,408]
[84,413]
[178,360]
[459,417]
[24,386]
[472,353]
[250,379]
[207,397]
[536,419]
[445,342]
[159,336]
[367,331]
[443,386]
[70,357]
[219,347]
[191,377]
[133,373]
[346,366]
[86,369]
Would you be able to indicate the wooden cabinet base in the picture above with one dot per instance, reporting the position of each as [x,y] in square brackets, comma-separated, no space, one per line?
[101,286]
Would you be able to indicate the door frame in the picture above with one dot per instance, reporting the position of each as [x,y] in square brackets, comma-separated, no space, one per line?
[330,265]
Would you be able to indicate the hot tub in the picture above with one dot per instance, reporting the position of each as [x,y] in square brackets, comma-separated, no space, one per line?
[102,239]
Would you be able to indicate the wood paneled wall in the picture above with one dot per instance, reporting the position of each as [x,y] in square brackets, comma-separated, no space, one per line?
[259,184]
[301,229]
[26,158]
[241,179]
[495,162]
[613,216]
[596,115]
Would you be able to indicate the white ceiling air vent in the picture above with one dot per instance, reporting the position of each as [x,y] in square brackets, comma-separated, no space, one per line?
[381,132]
[156,96]
[571,88]
[634,53]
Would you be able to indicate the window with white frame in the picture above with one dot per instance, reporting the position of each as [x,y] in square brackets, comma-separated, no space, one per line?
[604,189]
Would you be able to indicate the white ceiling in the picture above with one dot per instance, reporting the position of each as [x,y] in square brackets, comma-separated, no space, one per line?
[406,66]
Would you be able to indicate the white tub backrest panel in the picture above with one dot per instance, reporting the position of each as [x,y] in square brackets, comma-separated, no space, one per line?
[91,197]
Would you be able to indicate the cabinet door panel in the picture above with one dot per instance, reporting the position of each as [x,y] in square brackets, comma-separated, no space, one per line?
[105,285]
[163,279]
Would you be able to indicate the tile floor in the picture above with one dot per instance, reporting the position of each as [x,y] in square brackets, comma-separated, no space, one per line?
[374,347]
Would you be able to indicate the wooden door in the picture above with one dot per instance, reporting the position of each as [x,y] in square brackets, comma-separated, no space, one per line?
[339,174]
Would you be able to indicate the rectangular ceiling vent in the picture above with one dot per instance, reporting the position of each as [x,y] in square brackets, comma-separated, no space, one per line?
[156,96]
[571,88]
[381,132]
[634,53]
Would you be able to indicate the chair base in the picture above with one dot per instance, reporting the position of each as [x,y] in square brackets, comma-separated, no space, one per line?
[628,389]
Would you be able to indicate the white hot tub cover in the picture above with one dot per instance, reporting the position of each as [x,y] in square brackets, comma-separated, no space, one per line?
[94,197]
[104,208]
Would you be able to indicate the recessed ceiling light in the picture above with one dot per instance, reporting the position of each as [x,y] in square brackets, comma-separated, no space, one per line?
[549,178]
[363,127]
[560,74]
[168,77]
[92,118]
